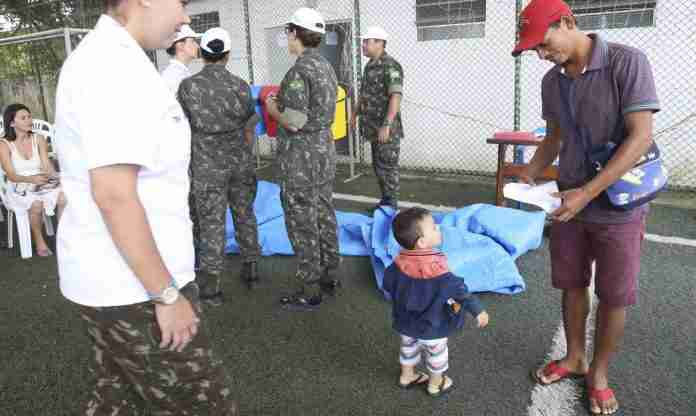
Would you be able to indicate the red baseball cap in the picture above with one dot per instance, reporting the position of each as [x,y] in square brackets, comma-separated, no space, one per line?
[535,20]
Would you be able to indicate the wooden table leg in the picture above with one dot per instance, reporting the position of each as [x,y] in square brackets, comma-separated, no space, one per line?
[499,177]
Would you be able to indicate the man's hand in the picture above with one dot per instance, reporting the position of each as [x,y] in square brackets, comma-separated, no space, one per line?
[271,101]
[383,134]
[248,137]
[178,323]
[526,176]
[482,320]
[353,121]
[574,201]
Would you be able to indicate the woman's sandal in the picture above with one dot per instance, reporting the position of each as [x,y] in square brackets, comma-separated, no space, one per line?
[441,389]
[418,381]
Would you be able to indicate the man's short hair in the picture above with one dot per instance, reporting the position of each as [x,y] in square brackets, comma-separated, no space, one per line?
[213,57]
[406,226]
[557,23]
[308,38]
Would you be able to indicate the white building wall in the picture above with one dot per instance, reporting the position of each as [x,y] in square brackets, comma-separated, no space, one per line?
[232,20]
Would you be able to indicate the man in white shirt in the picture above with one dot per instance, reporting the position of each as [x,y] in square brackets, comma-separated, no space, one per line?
[124,247]
[181,53]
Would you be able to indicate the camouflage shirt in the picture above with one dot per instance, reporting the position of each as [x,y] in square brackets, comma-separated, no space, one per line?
[307,98]
[382,78]
[218,105]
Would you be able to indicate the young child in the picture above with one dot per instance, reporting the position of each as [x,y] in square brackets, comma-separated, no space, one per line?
[429,301]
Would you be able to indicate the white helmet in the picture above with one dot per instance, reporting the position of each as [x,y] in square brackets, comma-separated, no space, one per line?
[309,19]
[375,32]
[185,32]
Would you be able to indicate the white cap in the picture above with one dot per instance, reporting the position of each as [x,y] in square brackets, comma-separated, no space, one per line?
[216,34]
[309,19]
[375,32]
[185,32]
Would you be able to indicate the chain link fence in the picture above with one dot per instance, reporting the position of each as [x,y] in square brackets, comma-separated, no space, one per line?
[461,83]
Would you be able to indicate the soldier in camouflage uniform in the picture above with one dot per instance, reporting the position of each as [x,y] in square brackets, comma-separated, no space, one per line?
[221,112]
[379,111]
[305,110]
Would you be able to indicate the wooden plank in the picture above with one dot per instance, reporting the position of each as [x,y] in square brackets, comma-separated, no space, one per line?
[514,169]
[522,142]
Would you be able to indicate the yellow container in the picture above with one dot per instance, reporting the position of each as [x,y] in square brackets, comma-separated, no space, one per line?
[340,124]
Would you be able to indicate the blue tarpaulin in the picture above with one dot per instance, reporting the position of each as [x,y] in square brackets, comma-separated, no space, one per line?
[481,241]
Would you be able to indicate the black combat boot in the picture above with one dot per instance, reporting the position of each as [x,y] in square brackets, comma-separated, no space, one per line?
[329,283]
[250,274]
[303,300]
[210,293]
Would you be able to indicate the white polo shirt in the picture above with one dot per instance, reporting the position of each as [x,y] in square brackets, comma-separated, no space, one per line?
[174,73]
[113,107]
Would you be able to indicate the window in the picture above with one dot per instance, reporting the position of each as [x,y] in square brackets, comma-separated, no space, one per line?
[613,14]
[450,19]
[204,21]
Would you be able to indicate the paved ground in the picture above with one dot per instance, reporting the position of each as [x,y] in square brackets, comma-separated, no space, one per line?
[342,360]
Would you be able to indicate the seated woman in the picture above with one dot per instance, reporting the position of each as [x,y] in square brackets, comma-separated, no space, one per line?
[31,178]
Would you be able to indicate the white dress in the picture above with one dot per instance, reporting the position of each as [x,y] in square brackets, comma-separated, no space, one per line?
[20,196]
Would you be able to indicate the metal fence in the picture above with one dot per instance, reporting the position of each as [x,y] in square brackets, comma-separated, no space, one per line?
[461,83]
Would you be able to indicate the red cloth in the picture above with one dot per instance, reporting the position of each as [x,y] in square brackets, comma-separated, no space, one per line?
[271,124]
[514,135]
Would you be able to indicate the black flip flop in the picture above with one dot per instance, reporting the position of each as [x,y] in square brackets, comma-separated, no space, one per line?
[419,381]
[441,391]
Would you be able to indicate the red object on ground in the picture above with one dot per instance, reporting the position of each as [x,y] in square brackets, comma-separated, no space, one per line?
[271,124]
[514,135]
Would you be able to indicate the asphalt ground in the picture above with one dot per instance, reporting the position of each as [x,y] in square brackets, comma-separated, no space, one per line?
[343,359]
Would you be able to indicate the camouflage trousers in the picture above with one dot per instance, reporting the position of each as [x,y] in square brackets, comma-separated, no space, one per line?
[310,220]
[196,231]
[385,161]
[136,377]
[212,201]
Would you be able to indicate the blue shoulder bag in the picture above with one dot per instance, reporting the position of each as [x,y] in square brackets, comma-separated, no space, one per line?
[639,185]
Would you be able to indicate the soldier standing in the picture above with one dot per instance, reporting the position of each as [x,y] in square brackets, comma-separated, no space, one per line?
[304,110]
[221,112]
[379,107]
[181,53]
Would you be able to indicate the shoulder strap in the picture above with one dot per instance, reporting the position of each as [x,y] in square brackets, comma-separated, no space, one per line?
[567,114]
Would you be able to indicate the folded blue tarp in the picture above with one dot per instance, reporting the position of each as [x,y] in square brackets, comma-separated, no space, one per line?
[481,241]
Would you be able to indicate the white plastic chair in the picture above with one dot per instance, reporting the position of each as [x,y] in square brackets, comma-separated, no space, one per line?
[22,218]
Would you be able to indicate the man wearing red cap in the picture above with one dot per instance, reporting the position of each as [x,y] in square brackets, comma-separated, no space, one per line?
[597,94]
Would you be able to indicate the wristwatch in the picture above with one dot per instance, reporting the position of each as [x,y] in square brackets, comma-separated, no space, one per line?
[168,296]
[387,123]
